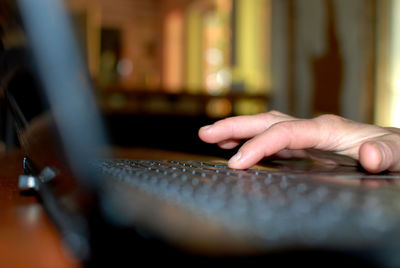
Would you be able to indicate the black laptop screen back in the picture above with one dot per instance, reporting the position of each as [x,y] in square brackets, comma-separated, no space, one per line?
[66,83]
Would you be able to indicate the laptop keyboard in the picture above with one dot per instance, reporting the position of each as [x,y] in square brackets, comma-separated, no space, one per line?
[273,208]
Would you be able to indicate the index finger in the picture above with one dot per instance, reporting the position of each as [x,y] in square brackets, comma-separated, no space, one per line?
[292,135]
[241,127]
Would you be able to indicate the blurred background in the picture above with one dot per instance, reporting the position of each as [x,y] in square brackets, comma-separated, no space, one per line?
[163,68]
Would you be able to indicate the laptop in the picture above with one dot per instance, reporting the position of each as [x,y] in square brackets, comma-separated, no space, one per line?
[129,211]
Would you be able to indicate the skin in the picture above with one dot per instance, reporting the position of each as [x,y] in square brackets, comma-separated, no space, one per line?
[327,138]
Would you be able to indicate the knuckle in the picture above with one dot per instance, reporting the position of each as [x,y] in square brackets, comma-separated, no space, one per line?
[274,112]
[284,127]
[273,115]
[330,118]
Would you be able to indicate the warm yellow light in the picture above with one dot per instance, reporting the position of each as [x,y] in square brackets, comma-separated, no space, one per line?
[395,103]
[173,62]
[387,109]
[218,107]
[249,106]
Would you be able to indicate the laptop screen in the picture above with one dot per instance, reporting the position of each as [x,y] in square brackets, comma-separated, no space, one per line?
[53,63]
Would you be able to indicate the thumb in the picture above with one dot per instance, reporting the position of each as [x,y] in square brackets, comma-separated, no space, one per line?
[381,155]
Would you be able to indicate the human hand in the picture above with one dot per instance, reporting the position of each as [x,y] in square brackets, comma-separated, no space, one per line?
[274,133]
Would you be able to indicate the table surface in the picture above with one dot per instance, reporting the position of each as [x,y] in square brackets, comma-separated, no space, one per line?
[27,236]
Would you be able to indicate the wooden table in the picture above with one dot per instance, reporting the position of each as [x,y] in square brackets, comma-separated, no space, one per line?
[27,236]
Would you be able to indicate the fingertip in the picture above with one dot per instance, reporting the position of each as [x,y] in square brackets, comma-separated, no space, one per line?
[236,161]
[204,132]
[371,157]
[243,159]
[205,129]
